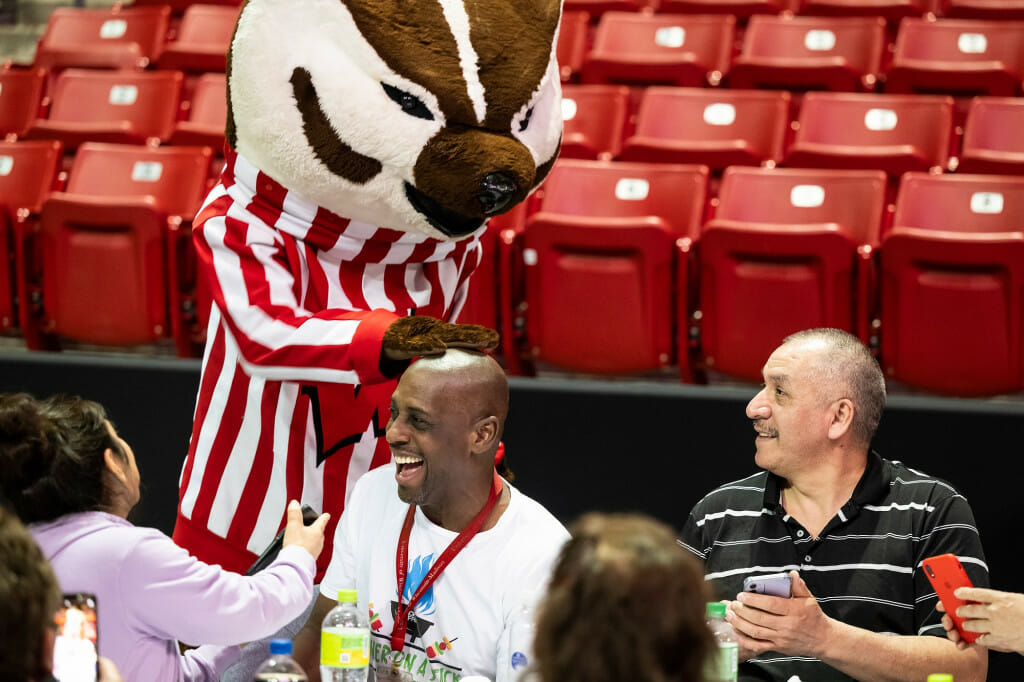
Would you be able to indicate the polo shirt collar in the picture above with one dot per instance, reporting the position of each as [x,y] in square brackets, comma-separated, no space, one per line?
[872,486]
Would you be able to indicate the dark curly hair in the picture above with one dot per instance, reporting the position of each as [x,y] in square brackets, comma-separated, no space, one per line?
[51,455]
[29,596]
[625,602]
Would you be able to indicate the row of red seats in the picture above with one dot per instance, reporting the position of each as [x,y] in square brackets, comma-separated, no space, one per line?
[845,53]
[138,38]
[113,106]
[982,9]
[797,52]
[621,268]
[720,128]
[101,254]
[613,267]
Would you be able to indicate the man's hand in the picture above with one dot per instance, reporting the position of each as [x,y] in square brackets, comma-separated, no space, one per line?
[795,626]
[419,335]
[311,537]
[999,616]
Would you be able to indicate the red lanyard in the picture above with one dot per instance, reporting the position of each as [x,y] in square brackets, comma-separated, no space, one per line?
[402,557]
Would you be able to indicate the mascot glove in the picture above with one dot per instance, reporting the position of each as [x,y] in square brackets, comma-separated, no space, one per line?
[409,337]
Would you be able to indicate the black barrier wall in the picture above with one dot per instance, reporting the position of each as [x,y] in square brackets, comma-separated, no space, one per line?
[587,445]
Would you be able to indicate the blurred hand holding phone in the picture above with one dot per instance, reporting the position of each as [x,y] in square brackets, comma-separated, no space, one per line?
[946,574]
[75,649]
[774,584]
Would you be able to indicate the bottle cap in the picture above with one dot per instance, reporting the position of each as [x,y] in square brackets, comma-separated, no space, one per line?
[715,609]
[940,677]
[280,646]
[348,596]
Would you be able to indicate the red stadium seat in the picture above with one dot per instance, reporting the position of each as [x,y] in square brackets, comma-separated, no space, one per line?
[111,244]
[669,49]
[952,279]
[29,171]
[111,106]
[810,53]
[958,56]
[788,249]
[594,118]
[116,38]
[894,133]
[741,9]
[596,7]
[600,257]
[207,114]
[21,93]
[571,48]
[891,10]
[717,127]
[178,7]
[203,38]
[993,136]
[1000,10]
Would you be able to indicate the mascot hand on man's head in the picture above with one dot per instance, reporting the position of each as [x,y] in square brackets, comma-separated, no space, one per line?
[368,143]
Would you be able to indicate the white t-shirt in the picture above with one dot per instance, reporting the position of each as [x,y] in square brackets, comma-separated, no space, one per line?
[461,624]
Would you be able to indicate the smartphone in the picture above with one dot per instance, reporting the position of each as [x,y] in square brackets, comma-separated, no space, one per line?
[946,573]
[76,653]
[775,584]
[309,515]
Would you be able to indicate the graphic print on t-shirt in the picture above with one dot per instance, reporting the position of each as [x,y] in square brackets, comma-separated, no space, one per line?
[423,648]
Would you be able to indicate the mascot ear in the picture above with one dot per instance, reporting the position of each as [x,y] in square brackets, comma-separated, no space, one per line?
[410,337]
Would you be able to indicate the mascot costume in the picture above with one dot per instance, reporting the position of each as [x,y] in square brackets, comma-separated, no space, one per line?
[368,143]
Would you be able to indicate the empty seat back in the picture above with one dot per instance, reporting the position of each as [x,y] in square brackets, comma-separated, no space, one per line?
[895,133]
[787,249]
[603,256]
[959,56]
[111,106]
[117,38]
[670,49]
[810,53]
[952,284]
[715,127]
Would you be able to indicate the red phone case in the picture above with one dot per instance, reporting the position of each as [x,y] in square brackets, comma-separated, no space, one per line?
[946,574]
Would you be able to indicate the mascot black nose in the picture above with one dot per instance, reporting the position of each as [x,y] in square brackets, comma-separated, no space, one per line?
[496,191]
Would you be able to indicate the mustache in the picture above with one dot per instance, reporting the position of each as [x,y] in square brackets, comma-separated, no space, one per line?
[763,429]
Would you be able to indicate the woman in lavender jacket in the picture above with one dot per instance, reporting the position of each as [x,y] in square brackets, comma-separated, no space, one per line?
[68,474]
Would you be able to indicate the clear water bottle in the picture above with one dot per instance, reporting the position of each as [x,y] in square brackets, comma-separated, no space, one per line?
[280,667]
[345,642]
[724,663]
[521,634]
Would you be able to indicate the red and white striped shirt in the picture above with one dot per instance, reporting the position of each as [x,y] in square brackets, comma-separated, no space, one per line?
[292,403]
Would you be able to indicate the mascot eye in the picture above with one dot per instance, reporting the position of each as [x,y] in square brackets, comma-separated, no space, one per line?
[525,123]
[411,104]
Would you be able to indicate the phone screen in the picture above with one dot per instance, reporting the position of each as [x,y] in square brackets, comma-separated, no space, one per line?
[75,651]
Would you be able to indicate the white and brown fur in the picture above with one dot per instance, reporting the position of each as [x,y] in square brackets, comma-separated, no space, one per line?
[421,116]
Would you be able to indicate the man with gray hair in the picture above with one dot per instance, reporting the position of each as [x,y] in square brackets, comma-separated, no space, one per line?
[849,527]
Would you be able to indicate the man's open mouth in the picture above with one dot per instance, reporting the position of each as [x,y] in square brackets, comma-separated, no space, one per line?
[407,464]
[448,222]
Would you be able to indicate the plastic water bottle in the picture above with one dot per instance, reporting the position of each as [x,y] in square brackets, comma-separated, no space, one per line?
[345,641]
[724,664]
[280,667]
[521,634]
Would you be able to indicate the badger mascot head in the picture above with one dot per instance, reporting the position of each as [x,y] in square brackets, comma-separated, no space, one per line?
[423,116]
[369,142]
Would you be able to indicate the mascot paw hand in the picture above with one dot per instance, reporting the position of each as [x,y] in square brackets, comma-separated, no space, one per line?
[409,337]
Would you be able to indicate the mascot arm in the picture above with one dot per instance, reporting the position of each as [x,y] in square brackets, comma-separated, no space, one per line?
[277,337]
